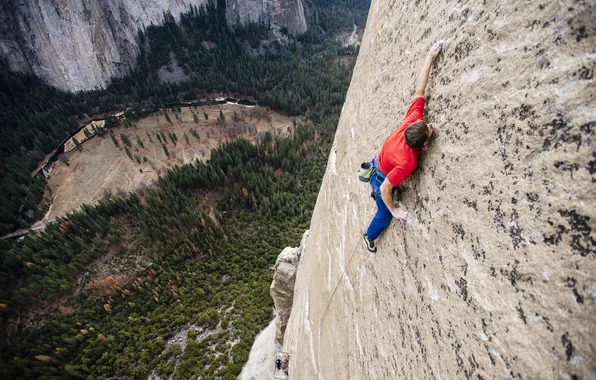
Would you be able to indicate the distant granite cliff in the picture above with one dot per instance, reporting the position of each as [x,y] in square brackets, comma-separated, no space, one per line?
[285,13]
[494,275]
[77,45]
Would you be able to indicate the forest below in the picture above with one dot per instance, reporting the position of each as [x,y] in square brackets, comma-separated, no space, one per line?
[210,232]
[298,77]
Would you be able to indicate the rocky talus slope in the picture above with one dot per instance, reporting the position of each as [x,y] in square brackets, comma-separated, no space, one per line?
[79,45]
[494,275]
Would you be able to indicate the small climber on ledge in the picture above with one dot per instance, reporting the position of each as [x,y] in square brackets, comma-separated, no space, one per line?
[399,157]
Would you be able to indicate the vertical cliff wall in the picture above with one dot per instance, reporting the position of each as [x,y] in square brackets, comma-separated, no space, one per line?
[494,275]
[284,13]
[78,45]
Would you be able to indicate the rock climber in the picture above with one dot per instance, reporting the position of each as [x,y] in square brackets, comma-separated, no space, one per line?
[399,157]
[285,364]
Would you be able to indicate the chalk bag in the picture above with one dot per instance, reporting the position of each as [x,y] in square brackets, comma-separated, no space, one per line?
[365,171]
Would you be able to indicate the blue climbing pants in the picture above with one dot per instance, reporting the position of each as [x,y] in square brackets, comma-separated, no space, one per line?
[383,215]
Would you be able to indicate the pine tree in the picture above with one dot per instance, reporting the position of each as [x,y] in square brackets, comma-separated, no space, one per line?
[165,113]
[114,139]
[77,144]
[125,139]
[165,150]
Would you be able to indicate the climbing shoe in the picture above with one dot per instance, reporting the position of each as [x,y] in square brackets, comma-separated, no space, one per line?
[370,244]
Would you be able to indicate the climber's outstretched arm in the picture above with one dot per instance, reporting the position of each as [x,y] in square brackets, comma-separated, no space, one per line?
[387,195]
[423,77]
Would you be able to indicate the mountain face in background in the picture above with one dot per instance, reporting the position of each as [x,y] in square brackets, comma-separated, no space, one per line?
[493,274]
[77,45]
[285,13]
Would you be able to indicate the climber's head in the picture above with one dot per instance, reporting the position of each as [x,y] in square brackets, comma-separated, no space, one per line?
[418,134]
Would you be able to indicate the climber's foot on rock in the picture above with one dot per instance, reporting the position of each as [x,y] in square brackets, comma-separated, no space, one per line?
[370,244]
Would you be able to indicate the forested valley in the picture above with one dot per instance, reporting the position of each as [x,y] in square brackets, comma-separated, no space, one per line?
[209,231]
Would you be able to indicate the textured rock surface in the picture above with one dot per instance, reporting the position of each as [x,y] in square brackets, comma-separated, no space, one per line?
[260,364]
[282,286]
[494,276]
[288,13]
[78,45]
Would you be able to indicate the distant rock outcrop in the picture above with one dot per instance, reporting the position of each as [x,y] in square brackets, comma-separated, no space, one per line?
[80,45]
[283,13]
[494,276]
[282,286]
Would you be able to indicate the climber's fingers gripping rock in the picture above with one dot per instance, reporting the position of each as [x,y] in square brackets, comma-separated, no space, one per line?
[435,50]
[399,213]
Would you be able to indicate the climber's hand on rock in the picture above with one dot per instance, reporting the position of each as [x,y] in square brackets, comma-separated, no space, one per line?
[435,50]
[430,132]
[399,213]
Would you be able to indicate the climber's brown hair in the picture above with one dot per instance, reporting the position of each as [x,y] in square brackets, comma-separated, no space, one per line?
[416,134]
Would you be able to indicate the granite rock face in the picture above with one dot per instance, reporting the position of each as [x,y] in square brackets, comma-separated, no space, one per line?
[78,45]
[282,286]
[282,13]
[494,274]
[259,365]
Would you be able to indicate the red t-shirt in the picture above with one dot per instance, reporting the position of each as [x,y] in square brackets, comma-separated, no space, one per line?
[396,159]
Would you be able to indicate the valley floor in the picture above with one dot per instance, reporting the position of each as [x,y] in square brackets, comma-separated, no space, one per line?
[101,169]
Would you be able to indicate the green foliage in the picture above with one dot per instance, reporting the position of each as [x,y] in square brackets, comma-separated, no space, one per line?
[125,139]
[206,272]
[116,143]
[165,113]
[210,231]
[173,137]
[163,137]
[299,78]
[77,144]
[165,150]
[128,152]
